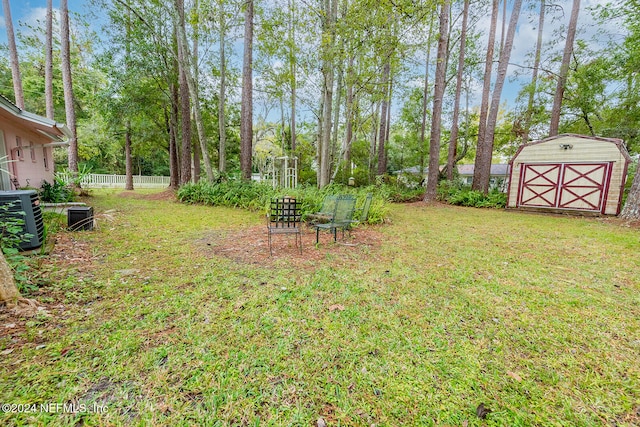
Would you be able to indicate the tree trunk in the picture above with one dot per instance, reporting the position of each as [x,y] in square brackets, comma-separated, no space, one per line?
[382,164]
[128,185]
[375,116]
[186,64]
[9,293]
[438,96]
[328,36]
[222,132]
[483,162]
[171,124]
[292,71]
[185,115]
[479,174]
[319,138]
[564,70]
[69,100]
[504,24]
[631,208]
[13,54]
[128,159]
[336,125]
[348,137]
[425,96]
[453,142]
[195,167]
[246,111]
[534,76]
[48,63]
[175,113]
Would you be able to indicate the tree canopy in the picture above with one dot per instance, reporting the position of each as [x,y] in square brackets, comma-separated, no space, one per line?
[345,86]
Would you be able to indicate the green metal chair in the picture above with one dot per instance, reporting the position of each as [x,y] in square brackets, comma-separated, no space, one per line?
[285,217]
[340,218]
[326,210]
[364,210]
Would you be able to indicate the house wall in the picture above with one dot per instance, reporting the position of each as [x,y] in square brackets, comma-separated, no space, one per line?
[32,163]
[584,150]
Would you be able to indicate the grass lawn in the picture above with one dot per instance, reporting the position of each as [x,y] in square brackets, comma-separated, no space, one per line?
[157,319]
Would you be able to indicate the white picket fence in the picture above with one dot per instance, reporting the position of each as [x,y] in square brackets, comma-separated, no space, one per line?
[98,180]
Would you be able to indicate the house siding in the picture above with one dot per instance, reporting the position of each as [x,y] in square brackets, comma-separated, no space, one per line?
[25,148]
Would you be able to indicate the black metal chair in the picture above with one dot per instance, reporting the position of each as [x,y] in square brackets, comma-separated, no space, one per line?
[284,218]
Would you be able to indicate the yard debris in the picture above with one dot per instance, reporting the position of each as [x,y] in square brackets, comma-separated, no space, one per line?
[514,376]
[336,307]
[321,423]
[482,411]
[127,272]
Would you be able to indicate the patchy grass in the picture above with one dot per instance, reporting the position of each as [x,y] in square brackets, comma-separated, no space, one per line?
[535,317]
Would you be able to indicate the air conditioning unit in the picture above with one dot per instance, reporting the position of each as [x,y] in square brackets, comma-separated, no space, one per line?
[26,201]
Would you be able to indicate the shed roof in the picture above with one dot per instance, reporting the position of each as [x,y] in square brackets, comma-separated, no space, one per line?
[49,128]
[619,143]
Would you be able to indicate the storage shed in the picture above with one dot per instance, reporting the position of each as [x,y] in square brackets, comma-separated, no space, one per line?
[569,173]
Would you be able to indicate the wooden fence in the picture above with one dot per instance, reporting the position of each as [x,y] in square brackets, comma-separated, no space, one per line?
[97,180]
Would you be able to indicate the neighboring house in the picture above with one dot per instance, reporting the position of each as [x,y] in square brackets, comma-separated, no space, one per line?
[498,179]
[26,143]
[498,175]
[569,173]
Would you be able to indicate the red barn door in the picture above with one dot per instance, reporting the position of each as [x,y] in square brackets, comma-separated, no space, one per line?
[572,186]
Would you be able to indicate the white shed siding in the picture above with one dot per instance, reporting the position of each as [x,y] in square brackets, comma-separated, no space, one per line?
[584,150]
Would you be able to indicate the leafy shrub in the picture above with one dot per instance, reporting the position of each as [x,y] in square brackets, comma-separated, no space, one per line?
[73,179]
[254,196]
[458,194]
[12,234]
[237,194]
[58,192]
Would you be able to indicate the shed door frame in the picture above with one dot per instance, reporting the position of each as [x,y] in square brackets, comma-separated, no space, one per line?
[559,185]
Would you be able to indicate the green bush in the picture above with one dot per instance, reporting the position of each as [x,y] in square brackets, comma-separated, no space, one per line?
[12,234]
[237,194]
[254,196]
[58,192]
[458,194]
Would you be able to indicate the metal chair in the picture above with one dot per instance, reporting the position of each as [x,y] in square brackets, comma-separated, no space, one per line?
[364,210]
[284,218]
[325,212]
[340,218]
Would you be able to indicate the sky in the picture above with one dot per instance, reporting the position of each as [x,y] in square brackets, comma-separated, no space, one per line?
[33,10]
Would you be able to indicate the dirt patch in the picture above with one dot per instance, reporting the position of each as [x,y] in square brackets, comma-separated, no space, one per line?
[67,254]
[169,195]
[251,246]
[70,252]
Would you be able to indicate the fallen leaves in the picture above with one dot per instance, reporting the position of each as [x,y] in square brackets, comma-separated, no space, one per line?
[514,376]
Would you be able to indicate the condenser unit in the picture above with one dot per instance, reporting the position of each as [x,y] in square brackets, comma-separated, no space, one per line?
[25,201]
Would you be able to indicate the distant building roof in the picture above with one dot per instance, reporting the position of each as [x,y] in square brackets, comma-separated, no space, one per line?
[495,169]
[464,170]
